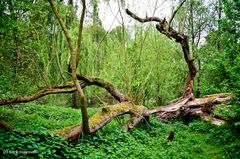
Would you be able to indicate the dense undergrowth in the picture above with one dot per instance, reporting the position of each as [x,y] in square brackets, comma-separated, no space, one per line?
[196,139]
[41,117]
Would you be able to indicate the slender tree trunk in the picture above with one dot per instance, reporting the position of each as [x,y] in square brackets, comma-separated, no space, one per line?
[69,20]
[219,24]
[73,60]
[75,103]
[191,27]
[198,92]
[126,58]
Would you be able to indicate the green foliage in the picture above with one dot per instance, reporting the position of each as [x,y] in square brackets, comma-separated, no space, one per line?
[135,63]
[221,60]
[40,117]
[142,63]
[22,34]
[112,142]
[138,65]
[196,140]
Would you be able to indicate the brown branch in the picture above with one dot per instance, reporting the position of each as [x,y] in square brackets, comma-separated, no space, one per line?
[143,20]
[40,93]
[104,84]
[175,12]
[69,87]
[87,81]
[6,126]
[132,122]
[164,28]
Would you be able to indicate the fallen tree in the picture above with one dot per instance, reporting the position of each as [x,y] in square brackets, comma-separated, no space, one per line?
[196,107]
[187,104]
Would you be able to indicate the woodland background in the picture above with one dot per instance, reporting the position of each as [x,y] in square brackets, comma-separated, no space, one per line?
[144,64]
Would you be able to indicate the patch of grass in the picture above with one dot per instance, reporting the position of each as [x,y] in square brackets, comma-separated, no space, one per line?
[31,116]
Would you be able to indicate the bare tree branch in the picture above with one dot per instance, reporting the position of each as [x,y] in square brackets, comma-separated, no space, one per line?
[104,84]
[40,93]
[175,12]
[143,20]
[69,87]
[80,29]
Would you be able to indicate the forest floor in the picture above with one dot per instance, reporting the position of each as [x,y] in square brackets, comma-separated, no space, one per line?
[195,139]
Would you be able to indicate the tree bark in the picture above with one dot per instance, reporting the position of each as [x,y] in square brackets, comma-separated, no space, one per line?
[75,103]
[67,88]
[5,126]
[104,84]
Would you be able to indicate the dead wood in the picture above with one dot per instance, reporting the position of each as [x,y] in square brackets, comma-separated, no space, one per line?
[66,88]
